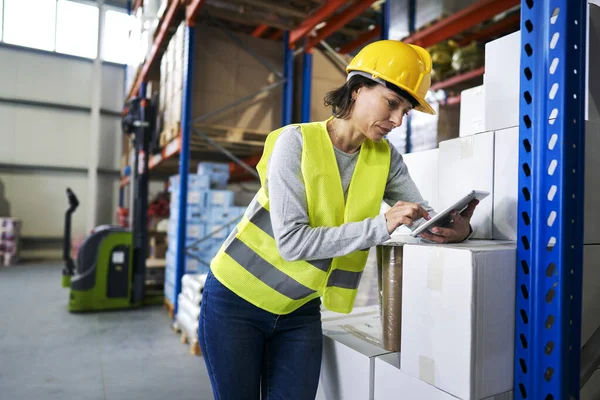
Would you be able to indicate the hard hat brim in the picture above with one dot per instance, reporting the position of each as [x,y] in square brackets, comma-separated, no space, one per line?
[423,106]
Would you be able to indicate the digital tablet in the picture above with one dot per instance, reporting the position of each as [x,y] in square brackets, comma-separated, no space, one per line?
[444,217]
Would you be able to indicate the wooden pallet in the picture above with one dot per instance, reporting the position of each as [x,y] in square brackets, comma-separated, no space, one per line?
[170,308]
[169,133]
[185,339]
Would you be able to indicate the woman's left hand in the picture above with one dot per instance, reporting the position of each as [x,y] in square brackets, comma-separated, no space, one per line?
[458,231]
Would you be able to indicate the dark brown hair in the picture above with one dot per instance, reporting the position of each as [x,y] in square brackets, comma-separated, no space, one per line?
[340,99]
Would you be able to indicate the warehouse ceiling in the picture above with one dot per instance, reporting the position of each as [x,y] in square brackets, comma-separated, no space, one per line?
[279,15]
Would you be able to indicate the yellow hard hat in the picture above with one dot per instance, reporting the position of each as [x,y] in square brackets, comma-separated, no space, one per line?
[404,65]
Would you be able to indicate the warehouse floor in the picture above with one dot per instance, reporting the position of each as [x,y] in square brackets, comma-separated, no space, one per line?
[48,353]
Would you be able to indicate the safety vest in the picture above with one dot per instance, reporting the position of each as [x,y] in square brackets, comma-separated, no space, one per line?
[250,265]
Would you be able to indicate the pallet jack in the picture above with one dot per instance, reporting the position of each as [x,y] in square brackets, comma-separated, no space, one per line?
[110,272]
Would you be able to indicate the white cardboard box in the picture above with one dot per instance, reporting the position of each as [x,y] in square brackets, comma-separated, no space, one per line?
[506,186]
[423,169]
[393,384]
[467,164]
[349,351]
[458,314]
[472,111]
[502,82]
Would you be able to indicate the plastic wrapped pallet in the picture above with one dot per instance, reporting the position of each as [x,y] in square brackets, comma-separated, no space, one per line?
[186,306]
[10,235]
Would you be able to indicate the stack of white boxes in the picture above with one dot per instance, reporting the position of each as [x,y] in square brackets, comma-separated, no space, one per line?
[211,216]
[458,310]
[188,305]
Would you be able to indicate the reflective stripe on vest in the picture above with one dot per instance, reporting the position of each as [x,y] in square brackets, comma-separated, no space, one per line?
[250,264]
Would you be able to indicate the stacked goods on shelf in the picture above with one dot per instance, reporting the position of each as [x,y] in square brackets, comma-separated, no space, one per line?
[188,309]
[10,235]
[223,72]
[197,187]
[429,11]
[326,76]
[211,216]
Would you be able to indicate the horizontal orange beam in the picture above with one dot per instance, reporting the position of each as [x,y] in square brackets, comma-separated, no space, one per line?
[319,16]
[361,40]
[458,79]
[277,35]
[466,18]
[258,32]
[167,152]
[192,10]
[158,47]
[504,26]
[339,20]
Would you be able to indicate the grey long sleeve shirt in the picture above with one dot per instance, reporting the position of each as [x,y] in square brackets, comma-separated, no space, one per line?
[297,240]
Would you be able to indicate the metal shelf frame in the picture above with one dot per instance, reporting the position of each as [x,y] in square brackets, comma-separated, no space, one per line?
[550,204]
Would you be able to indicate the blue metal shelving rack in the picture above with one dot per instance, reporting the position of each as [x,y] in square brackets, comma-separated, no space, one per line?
[550,205]
[184,157]
[186,133]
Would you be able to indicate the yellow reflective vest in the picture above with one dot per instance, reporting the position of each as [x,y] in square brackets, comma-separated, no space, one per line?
[250,265]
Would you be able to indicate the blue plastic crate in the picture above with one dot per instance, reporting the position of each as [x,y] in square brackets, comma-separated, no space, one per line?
[194,181]
[207,168]
[191,264]
[219,198]
[195,196]
[194,213]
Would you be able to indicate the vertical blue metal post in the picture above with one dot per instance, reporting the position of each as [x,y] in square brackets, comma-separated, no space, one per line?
[288,86]
[184,156]
[412,9]
[306,84]
[551,179]
[386,12]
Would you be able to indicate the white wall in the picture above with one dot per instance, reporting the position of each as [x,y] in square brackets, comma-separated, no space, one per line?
[31,135]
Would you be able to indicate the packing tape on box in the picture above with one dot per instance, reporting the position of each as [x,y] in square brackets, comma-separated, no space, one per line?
[427,369]
[362,335]
[435,270]
[466,148]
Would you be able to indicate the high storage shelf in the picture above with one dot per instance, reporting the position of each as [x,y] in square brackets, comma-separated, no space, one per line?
[444,29]
[546,366]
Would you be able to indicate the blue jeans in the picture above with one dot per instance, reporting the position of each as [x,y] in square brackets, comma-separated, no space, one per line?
[249,351]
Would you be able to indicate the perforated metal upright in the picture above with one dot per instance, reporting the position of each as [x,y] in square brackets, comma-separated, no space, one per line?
[184,156]
[551,172]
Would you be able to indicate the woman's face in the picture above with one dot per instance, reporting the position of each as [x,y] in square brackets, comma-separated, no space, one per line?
[377,110]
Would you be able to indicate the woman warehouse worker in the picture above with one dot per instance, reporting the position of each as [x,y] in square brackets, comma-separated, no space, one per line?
[306,234]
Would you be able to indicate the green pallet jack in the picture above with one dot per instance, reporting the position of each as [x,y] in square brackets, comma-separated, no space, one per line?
[110,272]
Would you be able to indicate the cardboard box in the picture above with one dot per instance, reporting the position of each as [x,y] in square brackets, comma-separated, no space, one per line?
[502,82]
[392,384]
[423,167]
[219,198]
[472,111]
[506,185]
[467,164]
[349,351]
[458,316]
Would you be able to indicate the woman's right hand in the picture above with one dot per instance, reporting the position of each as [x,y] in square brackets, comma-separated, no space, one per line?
[404,213]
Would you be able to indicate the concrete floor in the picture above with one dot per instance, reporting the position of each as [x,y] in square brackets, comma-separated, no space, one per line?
[48,353]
